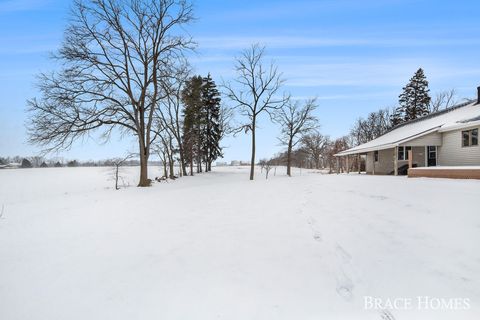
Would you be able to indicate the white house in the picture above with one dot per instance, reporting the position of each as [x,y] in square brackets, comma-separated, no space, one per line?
[447,139]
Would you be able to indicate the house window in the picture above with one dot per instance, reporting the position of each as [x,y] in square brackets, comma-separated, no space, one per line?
[432,152]
[474,136]
[403,152]
[470,138]
[375,155]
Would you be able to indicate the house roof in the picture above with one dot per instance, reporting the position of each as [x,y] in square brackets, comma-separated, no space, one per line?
[458,117]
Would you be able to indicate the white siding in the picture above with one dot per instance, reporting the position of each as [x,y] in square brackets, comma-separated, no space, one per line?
[385,160]
[384,164]
[369,162]
[432,139]
[418,156]
[451,153]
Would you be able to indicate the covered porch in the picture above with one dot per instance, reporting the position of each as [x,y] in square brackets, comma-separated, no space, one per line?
[395,158]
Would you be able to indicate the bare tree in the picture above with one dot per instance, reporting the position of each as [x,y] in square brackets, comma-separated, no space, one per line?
[258,91]
[296,120]
[117,163]
[376,124]
[114,58]
[226,126]
[262,163]
[166,150]
[334,147]
[443,100]
[268,167]
[171,109]
[315,146]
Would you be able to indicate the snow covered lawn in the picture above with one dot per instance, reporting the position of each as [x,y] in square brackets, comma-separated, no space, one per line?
[217,246]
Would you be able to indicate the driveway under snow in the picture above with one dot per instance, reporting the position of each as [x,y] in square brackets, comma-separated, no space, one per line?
[217,246]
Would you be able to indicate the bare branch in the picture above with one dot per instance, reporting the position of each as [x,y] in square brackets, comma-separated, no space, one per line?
[254,91]
[115,58]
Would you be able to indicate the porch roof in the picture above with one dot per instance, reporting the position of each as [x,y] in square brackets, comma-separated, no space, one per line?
[370,146]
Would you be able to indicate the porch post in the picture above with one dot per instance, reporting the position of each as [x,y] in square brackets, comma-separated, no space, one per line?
[359,158]
[348,168]
[410,159]
[338,165]
[395,161]
[373,171]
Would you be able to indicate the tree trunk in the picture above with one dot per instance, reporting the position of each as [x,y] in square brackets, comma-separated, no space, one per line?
[144,182]
[199,151]
[164,163]
[289,158]
[116,177]
[182,159]
[171,164]
[252,161]
[191,160]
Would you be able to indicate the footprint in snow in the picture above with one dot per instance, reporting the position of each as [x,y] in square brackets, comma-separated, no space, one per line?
[317,236]
[344,286]
[386,315]
[342,253]
[379,197]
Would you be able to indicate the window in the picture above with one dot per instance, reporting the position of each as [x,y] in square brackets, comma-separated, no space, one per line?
[375,155]
[470,138]
[403,152]
[474,136]
[432,152]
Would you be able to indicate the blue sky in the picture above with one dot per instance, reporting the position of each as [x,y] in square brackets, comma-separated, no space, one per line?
[355,56]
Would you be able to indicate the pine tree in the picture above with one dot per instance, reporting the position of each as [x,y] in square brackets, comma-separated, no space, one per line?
[415,99]
[397,117]
[192,100]
[202,129]
[212,131]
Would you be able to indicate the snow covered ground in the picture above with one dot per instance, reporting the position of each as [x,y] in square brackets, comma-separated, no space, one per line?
[217,246]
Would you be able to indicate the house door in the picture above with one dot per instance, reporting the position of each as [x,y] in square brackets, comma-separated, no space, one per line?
[432,156]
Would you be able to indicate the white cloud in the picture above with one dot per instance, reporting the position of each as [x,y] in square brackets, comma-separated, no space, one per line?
[275,42]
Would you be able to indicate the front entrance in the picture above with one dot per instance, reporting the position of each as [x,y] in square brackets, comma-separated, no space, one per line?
[431,156]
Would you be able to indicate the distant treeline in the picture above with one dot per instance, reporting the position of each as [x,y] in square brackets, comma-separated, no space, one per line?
[41,162]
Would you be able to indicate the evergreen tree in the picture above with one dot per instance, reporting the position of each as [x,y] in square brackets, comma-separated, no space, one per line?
[212,131]
[415,99]
[202,127]
[192,100]
[397,117]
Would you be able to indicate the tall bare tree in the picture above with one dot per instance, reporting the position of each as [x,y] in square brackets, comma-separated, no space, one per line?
[315,146]
[443,100]
[113,60]
[255,91]
[170,111]
[296,120]
[376,124]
